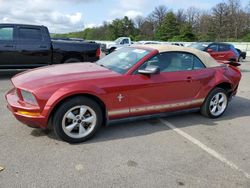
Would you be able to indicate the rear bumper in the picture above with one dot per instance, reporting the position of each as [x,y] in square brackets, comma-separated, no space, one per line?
[21,110]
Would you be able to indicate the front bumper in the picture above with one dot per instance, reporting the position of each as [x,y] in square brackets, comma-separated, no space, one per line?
[25,113]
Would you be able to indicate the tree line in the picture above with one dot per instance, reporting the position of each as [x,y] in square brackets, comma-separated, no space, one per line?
[226,21]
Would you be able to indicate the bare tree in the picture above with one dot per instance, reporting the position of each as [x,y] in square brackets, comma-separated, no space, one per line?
[159,14]
[147,30]
[181,16]
[139,20]
[192,14]
[235,16]
[220,15]
[230,21]
[227,20]
[204,22]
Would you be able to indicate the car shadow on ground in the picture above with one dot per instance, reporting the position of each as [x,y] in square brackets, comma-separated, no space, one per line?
[116,130]
[239,107]
[137,127]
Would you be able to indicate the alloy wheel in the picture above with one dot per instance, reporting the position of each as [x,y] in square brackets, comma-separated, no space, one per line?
[218,104]
[79,121]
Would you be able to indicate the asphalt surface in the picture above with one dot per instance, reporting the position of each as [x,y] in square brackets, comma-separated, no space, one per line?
[184,150]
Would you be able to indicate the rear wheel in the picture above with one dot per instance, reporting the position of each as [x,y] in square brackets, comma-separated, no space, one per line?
[215,104]
[241,59]
[77,120]
[72,60]
[112,50]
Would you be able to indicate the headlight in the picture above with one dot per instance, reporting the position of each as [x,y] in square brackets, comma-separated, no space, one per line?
[28,97]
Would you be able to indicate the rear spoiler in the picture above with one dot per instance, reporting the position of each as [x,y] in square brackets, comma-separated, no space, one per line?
[231,62]
[235,64]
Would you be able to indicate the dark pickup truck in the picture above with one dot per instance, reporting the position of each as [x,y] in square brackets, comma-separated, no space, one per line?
[29,46]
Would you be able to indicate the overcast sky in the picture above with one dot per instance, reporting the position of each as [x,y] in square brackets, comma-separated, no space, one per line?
[63,16]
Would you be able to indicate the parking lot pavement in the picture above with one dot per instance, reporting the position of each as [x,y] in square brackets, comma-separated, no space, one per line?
[185,150]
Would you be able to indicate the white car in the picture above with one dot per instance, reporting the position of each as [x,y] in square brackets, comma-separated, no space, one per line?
[149,42]
[109,46]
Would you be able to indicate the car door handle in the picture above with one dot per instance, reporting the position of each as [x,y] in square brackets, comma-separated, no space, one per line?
[189,79]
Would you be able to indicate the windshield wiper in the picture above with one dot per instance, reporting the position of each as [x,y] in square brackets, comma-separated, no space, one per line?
[104,66]
[101,65]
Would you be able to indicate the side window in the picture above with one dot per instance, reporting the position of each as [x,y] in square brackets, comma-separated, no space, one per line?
[175,61]
[214,47]
[6,33]
[224,48]
[30,34]
[125,41]
[198,64]
[179,62]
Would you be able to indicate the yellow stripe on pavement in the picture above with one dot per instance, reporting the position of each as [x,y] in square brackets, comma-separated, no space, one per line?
[1,168]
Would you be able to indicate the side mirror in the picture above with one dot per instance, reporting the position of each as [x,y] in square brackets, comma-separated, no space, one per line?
[209,50]
[150,70]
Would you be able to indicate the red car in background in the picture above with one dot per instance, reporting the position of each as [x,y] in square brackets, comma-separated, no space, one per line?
[76,100]
[219,51]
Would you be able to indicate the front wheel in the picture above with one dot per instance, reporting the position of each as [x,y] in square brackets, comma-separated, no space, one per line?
[215,104]
[77,120]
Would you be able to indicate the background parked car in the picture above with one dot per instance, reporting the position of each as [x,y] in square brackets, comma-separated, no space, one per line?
[110,46]
[149,42]
[219,51]
[177,44]
[29,46]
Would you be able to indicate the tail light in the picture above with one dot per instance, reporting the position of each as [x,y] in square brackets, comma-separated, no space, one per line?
[98,53]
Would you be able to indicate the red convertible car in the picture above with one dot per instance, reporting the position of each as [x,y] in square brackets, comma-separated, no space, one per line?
[77,99]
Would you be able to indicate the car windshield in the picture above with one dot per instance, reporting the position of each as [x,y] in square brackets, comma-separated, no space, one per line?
[199,46]
[118,41]
[122,60]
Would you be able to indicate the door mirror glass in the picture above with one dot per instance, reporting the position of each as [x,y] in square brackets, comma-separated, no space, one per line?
[150,70]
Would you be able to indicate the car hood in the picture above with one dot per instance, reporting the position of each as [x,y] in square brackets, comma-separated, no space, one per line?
[57,74]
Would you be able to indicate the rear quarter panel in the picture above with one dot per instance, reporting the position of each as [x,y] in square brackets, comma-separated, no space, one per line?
[222,74]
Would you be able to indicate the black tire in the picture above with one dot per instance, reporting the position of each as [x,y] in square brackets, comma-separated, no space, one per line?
[112,50]
[241,59]
[206,107]
[72,60]
[59,119]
